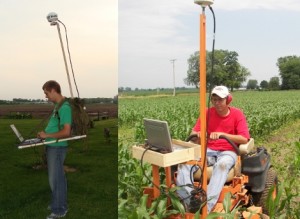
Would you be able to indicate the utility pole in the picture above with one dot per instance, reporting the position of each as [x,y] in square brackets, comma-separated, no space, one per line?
[173,61]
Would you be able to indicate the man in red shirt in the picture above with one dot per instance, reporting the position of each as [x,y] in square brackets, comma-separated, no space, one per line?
[230,122]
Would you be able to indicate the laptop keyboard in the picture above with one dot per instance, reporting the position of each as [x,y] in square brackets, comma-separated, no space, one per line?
[32,141]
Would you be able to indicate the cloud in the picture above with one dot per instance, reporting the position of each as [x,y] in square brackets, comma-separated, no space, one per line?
[293,5]
[153,32]
[148,26]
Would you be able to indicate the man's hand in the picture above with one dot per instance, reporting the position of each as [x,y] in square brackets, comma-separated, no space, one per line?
[216,135]
[42,135]
[238,139]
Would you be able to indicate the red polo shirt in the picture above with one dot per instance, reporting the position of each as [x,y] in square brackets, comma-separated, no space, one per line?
[234,123]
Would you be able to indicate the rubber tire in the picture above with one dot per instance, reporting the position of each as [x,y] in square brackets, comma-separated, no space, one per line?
[260,199]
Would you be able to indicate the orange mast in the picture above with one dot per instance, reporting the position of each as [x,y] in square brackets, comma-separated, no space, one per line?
[202,78]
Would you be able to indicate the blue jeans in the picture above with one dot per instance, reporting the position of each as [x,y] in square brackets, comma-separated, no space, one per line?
[225,160]
[57,179]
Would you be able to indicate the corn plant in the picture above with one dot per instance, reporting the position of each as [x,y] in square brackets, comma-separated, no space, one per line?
[159,208]
[130,176]
[227,214]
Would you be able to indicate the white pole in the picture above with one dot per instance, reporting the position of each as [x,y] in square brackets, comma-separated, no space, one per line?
[64,55]
[173,61]
[53,19]
[52,141]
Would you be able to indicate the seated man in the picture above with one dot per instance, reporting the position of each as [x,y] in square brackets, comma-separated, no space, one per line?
[222,120]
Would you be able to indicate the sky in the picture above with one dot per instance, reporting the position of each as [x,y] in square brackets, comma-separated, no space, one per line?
[151,33]
[31,52]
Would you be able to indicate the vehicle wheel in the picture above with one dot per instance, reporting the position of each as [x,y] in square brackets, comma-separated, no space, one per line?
[260,199]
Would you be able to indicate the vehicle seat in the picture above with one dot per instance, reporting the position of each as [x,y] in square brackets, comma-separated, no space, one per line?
[236,169]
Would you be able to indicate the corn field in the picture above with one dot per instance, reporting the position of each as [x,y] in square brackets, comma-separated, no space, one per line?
[265,111]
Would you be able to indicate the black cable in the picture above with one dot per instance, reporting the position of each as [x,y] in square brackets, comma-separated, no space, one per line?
[37,127]
[143,170]
[191,178]
[210,90]
[213,49]
[192,173]
[161,190]
[201,176]
[209,97]
[197,191]
[34,131]
[210,84]
[70,57]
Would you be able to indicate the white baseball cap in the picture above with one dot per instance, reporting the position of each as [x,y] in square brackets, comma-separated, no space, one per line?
[221,91]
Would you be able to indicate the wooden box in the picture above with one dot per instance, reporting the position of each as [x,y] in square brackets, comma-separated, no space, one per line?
[192,152]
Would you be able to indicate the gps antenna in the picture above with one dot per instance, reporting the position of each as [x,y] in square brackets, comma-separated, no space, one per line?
[204,3]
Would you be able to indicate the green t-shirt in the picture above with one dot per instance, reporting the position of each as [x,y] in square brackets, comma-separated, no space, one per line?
[63,116]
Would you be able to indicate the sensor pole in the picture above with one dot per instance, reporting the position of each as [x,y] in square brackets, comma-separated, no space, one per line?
[64,55]
[53,19]
[202,79]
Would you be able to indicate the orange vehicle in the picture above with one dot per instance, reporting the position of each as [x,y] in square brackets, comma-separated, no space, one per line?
[248,184]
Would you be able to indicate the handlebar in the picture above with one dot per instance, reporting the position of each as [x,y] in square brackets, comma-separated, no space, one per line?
[195,138]
[236,148]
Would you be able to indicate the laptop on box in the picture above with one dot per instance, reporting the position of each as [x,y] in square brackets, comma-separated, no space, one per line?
[22,140]
[158,136]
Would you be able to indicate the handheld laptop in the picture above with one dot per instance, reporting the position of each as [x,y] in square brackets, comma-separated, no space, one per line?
[22,140]
[26,143]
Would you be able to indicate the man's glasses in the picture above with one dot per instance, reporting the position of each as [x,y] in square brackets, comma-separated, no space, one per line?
[215,99]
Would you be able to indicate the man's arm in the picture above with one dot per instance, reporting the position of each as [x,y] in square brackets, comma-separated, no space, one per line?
[63,133]
[235,138]
[216,135]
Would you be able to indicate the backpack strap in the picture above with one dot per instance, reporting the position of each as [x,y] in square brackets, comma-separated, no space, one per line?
[57,110]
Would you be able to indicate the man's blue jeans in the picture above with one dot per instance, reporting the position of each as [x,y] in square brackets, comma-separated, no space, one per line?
[57,179]
[224,161]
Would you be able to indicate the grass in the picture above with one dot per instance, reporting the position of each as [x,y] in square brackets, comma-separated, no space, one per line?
[92,188]
[281,144]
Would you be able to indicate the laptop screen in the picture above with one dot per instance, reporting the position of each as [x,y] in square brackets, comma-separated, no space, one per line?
[158,135]
[17,133]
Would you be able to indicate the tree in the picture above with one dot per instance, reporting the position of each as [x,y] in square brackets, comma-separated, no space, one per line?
[264,85]
[120,89]
[252,84]
[227,70]
[193,70]
[274,83]
[289,68]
